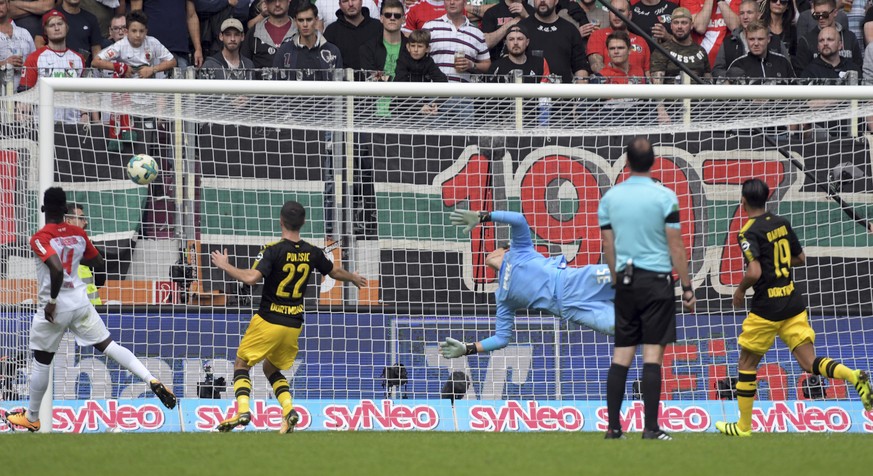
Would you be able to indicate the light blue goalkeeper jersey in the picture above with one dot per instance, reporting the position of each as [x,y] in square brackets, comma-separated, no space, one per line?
[528,280]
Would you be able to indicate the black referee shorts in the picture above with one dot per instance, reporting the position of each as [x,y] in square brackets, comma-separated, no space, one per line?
[645,310]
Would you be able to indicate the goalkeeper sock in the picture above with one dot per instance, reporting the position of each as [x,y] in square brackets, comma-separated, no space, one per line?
[651,394]
[242,389]
[747,386]
[616,379]
[282,391]
[39,378]
[126,359]
[830,368]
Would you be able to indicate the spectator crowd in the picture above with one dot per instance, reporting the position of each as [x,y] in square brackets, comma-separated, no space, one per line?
[766,41]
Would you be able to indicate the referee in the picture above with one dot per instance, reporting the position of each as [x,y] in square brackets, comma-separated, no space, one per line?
[642,243]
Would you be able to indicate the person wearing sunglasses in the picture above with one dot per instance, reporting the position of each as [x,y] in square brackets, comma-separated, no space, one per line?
[779,16]
[805,23]
[379,56]
[824,12]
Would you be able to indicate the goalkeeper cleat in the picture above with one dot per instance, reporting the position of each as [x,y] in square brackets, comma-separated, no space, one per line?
[615,435]
[289,422]
[242,419]
[656,435]
[19,418]
[731,429]
[163,393]
[865,391]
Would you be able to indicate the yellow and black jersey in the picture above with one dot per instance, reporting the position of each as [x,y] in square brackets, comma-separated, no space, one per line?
[286,266]
[770,240]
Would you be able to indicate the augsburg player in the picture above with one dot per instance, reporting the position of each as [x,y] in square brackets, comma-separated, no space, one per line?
[273,331]
[771,249]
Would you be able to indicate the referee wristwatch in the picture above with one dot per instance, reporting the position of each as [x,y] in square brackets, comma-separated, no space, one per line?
[687,289]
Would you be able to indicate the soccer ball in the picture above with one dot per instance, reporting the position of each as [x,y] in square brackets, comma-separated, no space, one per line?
[142,169]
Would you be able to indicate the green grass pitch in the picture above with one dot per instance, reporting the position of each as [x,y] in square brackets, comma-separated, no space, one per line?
[420,453]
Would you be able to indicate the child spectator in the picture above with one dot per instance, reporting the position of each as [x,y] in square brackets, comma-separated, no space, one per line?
[417,66]
[135,56]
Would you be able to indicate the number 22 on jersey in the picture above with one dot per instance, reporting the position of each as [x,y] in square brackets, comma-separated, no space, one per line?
[298,273]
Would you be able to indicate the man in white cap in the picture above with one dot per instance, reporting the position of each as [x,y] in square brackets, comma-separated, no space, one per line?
[222,64]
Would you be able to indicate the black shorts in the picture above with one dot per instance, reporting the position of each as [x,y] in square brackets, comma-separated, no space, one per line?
[645,310]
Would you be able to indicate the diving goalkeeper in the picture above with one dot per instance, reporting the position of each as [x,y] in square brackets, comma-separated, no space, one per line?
[528,280]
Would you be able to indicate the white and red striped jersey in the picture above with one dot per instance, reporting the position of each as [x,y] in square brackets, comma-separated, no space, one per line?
[46,62]
[71,244]
[150,53]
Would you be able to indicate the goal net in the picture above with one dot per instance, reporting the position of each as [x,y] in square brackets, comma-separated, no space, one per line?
[378,168]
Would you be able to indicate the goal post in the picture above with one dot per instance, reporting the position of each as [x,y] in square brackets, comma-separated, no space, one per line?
[378,187]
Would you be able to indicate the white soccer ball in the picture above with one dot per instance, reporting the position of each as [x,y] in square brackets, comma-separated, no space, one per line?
[142,169]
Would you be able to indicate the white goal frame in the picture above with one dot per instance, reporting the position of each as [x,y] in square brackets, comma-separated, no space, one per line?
[49,86]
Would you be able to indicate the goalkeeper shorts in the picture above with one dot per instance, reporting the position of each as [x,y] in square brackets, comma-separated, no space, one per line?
[272,342]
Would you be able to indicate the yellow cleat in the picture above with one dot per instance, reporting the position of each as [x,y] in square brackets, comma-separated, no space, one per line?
[289,422]
[19,418]
[731,429]
[242,419]
[865,391]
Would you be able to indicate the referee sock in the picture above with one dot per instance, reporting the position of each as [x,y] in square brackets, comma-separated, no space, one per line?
[616,379]
[830,368]
[242,390]
[651,394]
[39,378]
[282,391]
[126,359]
[747,387]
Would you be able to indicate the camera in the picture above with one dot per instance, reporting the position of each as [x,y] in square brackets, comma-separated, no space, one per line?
[727,388]
[456,386]
[395,376]
[182,274]
[814,387]
[211,387]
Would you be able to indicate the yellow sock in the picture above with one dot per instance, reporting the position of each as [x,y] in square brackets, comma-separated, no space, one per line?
[747,386]
[830,368]
[282,392]
[242,389]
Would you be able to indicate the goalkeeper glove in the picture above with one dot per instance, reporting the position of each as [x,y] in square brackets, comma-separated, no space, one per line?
[453,348]
[468,219]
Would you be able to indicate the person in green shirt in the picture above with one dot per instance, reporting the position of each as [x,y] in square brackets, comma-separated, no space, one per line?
[379,57]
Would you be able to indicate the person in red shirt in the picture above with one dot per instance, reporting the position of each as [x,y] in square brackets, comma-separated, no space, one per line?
[712,20]
[620,70]
[597,47]
[64,304]
[422,12]
[54,60]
